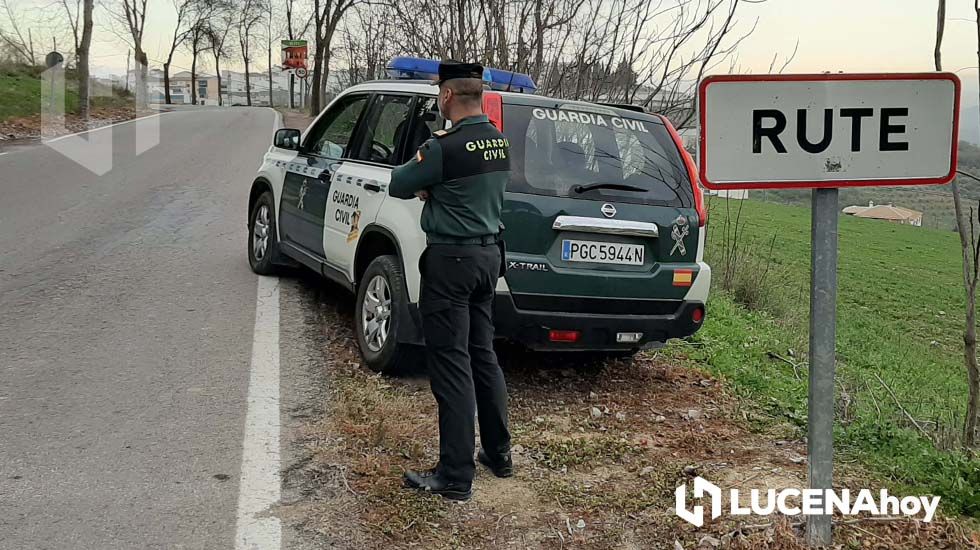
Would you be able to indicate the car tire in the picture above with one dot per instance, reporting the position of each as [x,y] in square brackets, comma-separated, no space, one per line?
[383,298]
[262,219]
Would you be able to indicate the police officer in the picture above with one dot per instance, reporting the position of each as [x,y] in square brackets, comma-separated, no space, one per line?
[460,174]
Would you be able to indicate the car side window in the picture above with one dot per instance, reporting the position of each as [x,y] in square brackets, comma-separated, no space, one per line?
[386,130]
[427,120]
[334,132]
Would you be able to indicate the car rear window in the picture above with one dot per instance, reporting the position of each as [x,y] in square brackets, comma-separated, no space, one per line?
[597,155]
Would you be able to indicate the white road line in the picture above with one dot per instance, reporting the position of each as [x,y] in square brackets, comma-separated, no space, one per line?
[2,154]
[59,138]
[259,488]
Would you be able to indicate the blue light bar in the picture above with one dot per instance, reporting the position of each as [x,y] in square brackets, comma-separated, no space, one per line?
[509,81]
[418,68]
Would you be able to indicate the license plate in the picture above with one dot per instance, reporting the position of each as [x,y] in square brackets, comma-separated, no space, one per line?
[601,253]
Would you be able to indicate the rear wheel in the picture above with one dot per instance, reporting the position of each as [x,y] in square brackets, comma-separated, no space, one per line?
[263,242]
[382,302]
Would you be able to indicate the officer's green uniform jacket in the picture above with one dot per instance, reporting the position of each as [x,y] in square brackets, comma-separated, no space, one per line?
[465,170]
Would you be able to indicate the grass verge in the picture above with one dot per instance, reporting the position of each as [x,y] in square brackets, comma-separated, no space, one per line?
[599,447]
[899,347]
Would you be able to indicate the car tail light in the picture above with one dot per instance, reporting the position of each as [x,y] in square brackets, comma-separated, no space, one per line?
[697,315]
[493,107]
[692,172]
[564,335]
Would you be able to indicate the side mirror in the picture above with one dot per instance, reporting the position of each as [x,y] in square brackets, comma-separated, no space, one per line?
[287,138]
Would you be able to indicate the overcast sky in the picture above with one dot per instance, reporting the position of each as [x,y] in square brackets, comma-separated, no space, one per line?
[834,35]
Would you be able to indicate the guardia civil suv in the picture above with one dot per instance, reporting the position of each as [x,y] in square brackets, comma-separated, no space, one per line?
[604,218]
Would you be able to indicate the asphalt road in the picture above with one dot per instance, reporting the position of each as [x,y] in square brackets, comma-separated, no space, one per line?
[127,312]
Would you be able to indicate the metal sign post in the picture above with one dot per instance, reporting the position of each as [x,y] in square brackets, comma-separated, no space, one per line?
[823,335]
[824,132]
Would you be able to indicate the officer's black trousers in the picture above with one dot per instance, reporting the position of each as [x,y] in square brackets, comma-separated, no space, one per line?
[458,283]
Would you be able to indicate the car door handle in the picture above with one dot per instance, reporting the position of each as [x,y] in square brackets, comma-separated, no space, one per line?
[372,187]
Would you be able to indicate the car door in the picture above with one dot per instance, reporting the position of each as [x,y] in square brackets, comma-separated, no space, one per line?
[361,182]
[309,178]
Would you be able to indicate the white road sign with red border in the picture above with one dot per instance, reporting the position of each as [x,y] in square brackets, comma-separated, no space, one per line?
[833,130]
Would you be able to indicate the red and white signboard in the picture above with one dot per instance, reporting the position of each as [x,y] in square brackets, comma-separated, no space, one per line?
[828,130]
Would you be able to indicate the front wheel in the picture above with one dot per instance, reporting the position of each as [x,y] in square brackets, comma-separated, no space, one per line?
[382,302]
[263,244]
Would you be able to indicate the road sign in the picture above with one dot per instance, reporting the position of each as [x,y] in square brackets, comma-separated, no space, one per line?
[832,130]
[294,56]
[52,59]
[301,72]
[824,132]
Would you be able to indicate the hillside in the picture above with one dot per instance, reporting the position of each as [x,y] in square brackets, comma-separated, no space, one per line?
[20,92]
[20,103]
[934,201]
[900,311]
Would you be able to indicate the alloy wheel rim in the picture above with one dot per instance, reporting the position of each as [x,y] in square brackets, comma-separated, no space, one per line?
[376,313]
[260,233]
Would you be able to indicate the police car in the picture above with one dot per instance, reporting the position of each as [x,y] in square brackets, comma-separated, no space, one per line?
[604,218]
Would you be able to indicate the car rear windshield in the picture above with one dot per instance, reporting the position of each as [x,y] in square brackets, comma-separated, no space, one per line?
[565,151]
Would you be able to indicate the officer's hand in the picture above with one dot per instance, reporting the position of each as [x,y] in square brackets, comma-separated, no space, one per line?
[423,195]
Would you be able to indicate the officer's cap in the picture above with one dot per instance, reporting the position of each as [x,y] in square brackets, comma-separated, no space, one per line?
[450,69]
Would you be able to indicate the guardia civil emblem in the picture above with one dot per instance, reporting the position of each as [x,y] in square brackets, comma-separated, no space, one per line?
[679,231]
[302,194]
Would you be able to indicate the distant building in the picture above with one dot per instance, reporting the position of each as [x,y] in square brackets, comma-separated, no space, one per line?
[887,212]
[233,88]
[736,194]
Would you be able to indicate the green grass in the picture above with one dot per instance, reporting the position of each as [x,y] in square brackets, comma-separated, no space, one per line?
[900,316]
[20,92]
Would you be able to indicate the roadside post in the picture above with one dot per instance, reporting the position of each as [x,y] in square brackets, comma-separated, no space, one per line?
[824,132]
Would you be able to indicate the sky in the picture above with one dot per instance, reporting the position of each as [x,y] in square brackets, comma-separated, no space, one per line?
[833,35]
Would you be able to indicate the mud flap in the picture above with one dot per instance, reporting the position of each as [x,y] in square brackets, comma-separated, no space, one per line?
[410,326]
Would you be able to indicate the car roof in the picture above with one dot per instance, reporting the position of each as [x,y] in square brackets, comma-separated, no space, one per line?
[425,87]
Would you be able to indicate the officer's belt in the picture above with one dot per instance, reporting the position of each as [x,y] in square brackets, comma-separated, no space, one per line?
[484,240]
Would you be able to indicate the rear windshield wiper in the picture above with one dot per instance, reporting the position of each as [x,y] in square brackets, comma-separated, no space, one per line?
[616,186]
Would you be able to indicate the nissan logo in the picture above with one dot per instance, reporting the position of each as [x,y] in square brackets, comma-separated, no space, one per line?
[608,210]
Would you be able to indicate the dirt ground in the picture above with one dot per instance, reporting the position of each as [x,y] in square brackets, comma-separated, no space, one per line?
[599,448]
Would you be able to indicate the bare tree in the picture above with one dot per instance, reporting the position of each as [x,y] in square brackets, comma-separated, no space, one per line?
[183,8]
[327,15]
[82,56]
[132,15]
[971,437]
[971,262]
[12,37]
[650,54]
[196,41]
[367,43]
[78,14]
[218,27]
[249,16]
[73,16]
[268,29]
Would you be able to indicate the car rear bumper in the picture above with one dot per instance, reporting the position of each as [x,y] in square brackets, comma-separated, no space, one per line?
[597,331]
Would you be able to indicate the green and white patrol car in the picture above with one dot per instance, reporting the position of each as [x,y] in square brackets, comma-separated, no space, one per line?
[604,220]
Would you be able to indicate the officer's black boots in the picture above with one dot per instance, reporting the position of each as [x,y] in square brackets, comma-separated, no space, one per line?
[501,466]
[431,481]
